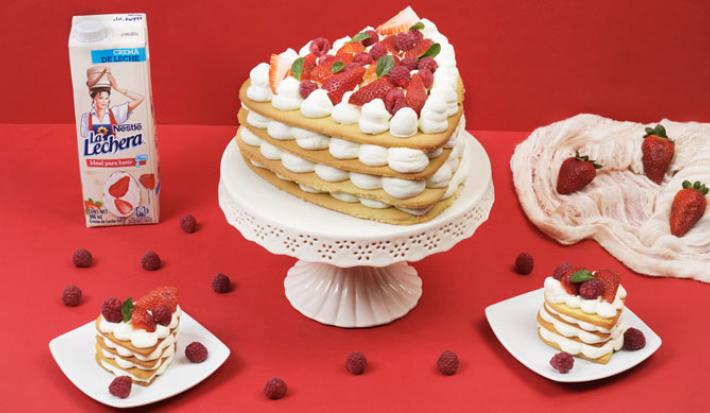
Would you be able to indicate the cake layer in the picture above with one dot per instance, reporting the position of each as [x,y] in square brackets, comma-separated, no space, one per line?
[601,356]
[426,197]
[572,332]
[329,127]
[573,321]
[139,376]
[127,356]
[388,215]
[144,353]
[578,314]
[427,164]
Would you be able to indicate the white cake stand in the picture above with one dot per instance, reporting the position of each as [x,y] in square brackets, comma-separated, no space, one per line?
[351,272]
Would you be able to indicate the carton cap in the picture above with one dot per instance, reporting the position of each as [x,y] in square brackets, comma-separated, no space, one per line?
[89,31]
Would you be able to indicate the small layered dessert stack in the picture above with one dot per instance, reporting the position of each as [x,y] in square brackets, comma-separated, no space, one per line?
[138,339]
[371,127]
[581,313]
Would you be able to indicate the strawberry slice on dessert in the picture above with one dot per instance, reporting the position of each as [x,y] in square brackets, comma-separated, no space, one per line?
[399,23]
[658,151]
[167,296]
[688,207]
[350,48]
[575,173]
[120,187]
[610,279]
[375,90]
[279,65]
[141,318]
[416,93]
[420,48]
[337,85]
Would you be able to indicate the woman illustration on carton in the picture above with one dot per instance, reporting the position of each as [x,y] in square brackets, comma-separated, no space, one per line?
[103,118]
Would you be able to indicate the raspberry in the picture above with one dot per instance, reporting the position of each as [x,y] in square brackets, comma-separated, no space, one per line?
[404,42]
[634,339]
[562,362]
[448,363]
[356,363]
[82,258]
[196,352]
[374,38]
[428,63]
[362,58]
[399,76]
[306,88]
[111,310]
[410,62]
[319,46]
[150,261]
[378,50]
[561,270]
[524,263]
[275,388]
[221,283]
[427,78]
[141,319]
[162,315]
[71,296]
[395,100]
[416,35]
[591,289]
[188,223]
[121,386]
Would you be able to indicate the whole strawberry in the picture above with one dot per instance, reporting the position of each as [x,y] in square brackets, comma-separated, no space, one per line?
[688,207]
[575,173]
[658,151]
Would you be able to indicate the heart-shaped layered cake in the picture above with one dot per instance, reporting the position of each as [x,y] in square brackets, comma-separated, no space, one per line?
[639,190]
[371,125]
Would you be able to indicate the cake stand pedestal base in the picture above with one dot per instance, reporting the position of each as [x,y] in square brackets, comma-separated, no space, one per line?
[355,296]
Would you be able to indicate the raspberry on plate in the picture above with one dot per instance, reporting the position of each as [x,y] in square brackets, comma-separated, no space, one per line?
[634,339]
[196,352]
[448,363]
[562,362]
[82,258]
[356,363]
[71,296]
[121,386]
[150,261]
[275,388]
[524,263]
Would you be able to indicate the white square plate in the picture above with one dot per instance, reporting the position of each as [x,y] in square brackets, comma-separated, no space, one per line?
[74,353]
[514,323]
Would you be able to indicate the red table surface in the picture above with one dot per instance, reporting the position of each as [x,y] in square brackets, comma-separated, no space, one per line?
[43,224]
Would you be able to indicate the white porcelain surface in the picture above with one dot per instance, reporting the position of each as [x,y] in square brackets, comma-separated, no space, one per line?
[514,323]
[74,353]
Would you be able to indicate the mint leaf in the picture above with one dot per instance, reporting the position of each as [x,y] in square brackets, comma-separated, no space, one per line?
[337,67]
[432,51]
[127,309]
[359,37]
[581,276]
[417,26]
[384,65]
[297,68]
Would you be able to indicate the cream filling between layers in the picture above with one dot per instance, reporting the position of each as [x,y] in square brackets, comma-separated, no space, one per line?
[582,324]
[575,347]
[125,364]
[120,372]
[124,352]
[571,331]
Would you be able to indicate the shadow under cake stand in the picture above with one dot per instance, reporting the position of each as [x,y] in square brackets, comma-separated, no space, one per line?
[351,272]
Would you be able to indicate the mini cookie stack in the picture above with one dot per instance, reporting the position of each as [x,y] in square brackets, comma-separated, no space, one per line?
[140,347]
[351,129]
[583,320]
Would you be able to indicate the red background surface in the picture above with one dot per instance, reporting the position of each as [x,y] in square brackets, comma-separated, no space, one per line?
[524,64]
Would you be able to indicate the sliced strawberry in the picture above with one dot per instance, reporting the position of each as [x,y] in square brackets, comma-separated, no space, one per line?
[568,285]
[416,93]
[389,43]
[141,318]
[120,187]
[167,296]
[278,67]
[148,181]
[350,48]
[375,90]
[324,70]
[419,49]
[370,74]
[337,85]
[122,206]
[309,63]
[399,23]
[611,281]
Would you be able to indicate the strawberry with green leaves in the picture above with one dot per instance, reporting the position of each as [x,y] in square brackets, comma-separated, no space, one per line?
[658,151]
[576,172]
[688,207]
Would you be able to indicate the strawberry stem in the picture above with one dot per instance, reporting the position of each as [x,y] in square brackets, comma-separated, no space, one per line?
[697,185]
[658,130]
[585,158]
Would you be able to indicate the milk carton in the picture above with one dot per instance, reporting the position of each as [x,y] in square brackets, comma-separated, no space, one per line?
[115,124]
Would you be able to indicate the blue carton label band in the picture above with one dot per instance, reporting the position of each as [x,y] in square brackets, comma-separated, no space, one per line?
[131,54]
